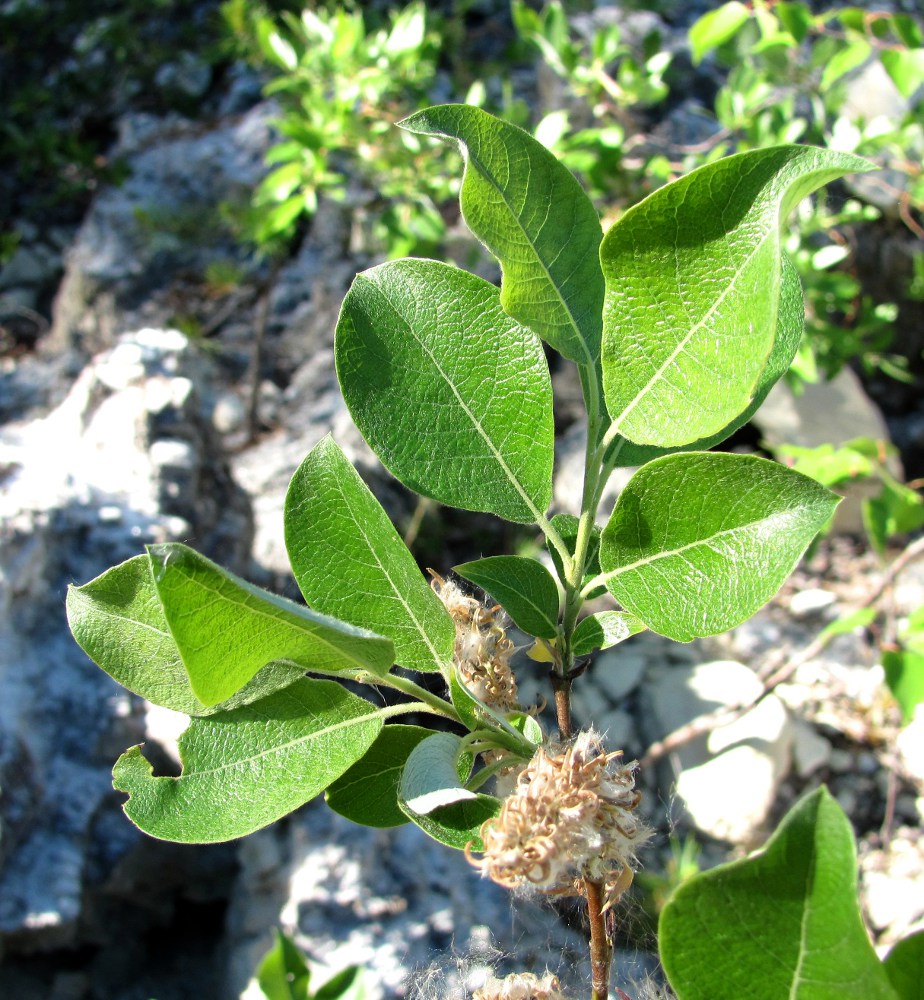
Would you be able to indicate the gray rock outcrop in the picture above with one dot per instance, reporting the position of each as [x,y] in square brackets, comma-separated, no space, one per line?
[128,458]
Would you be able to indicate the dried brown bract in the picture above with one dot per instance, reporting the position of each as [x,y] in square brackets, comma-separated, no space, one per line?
[482,650]
[520,986]
[570,817]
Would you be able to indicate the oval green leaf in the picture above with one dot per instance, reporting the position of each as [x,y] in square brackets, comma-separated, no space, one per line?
[784,923]
[227,629]
[452,394]
[367,793]
[698,542]
[717,27]
[350,562]
[693,280]
[533,215]
[523,587]
[789,328]
[118,621]
[246,768]
[602,630]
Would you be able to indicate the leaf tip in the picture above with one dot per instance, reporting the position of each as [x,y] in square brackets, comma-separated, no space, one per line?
[130,769]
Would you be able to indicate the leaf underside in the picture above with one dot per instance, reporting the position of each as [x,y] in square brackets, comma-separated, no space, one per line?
[119,622]
[226,629]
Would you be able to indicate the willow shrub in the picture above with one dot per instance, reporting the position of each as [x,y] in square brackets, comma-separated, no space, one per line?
[680,319]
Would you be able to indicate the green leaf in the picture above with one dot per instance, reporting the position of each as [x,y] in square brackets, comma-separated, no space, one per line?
[898,510]
[843,61]
[118,621]
[532,214]
[524,588]
[227,629]
[434,773]
[905,67]
[844,626]
[693,277]
[904,670]
[602,630]
[246,768]
[460,824]
[789,328]
[451,393]
[432,795]
[351,563]
[348,984]
[904,966]
[367,793]
[716,28]
[471,710]
[783,923]
[283,974]
[700,541]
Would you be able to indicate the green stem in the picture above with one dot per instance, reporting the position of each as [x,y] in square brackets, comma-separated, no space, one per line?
[551,533]
[434,703]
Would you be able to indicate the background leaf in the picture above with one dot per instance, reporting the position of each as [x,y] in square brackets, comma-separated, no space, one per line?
[784,923]
[904,671]
[351,563]
[700,541]
[245,768]
[451,393]
[789,327]
[904,966]
[602,630]
[523,587]
[367,793]
[226,629]
[717,27]
[348,984]
[533,215]
[118,621]
[693,279]
[283,974]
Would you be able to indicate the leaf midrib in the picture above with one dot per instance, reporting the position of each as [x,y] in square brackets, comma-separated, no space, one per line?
[668,553]
[278,749]
[682,344]
[476,424]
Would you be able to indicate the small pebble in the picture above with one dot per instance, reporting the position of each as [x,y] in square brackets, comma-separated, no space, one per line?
[842,761]
[811,602]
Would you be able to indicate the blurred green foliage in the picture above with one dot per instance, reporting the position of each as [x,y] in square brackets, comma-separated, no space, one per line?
[894,510]
[342,78]
[283,974]
[786,73]
[69,68]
